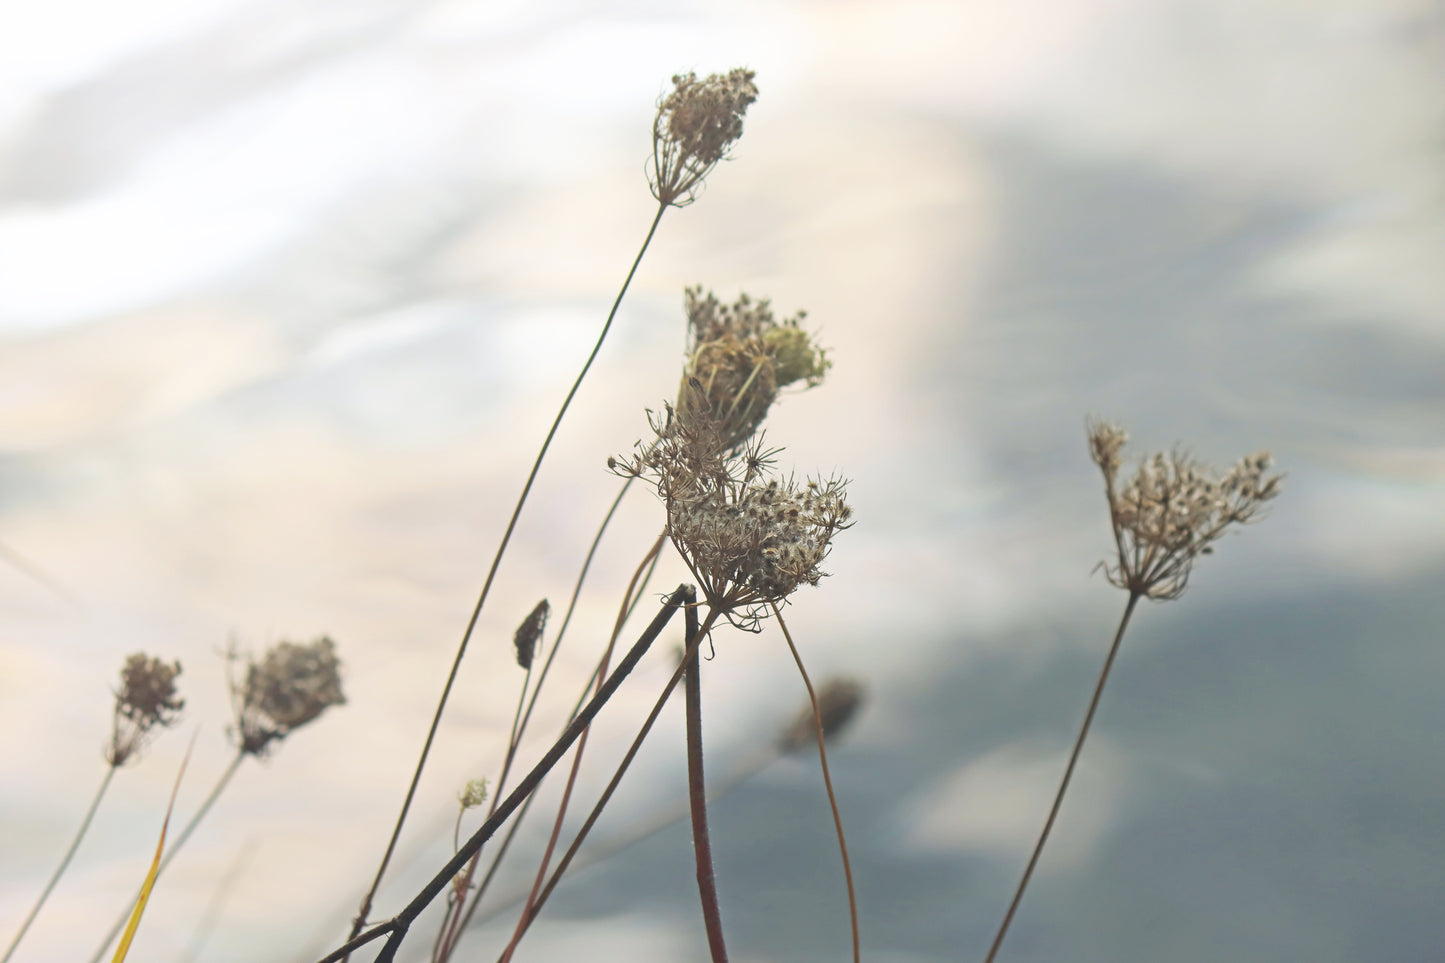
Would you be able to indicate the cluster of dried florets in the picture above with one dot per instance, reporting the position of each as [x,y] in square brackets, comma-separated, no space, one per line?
[1172,511]
[288,688]
[146,699]
[748,539]
[742,355]
[695,125]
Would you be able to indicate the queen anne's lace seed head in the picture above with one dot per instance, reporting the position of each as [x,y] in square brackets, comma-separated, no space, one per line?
[289,687]
[1172,511]
[696,123]
[838,702]
[749,539]
[146,700]
[741,355]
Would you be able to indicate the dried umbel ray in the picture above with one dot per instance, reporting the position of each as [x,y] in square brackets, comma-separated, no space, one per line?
[1172,510]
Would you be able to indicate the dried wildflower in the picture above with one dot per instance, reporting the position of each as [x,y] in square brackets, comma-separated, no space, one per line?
[741,355]
[749,540]
[473,794]
[529,633]
[838,702]
[288,688]
[146,699]
[1172,511]
[696,123]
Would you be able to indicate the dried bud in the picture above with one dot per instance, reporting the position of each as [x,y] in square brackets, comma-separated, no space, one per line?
[696,124]
[838,702]
[146,699]
[291,686]
[529,633]
[1172,511]
[739,357]
[473,794]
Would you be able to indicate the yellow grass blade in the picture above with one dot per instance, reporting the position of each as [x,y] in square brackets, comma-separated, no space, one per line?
[145,890]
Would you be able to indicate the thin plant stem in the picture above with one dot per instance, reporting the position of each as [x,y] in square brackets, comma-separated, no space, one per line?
[456,917]
[616,844]
[64,862]
[622,767]
[526,807]
[1068,774]
[174,848]
[697,798]
[218,901]
[395,929]
[365,908]
[828,783]
[582,743]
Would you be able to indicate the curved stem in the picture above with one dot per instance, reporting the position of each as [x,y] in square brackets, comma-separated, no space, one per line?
[1064,784]
[827,782]
[697,797]
[174,848]
[365,908]
[396,928]
[64,862]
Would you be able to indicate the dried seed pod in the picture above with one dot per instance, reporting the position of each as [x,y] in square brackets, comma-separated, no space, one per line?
[838,702]
[529,633]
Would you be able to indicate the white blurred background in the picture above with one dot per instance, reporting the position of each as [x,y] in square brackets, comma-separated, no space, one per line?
[289,293]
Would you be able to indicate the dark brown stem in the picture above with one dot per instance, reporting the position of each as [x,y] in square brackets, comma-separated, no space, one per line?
[697,797]
[602,801]
[1068,774]
[396,927]
[622,612]
[828,783]
[365,908]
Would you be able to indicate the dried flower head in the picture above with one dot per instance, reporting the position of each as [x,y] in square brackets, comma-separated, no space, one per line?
[473,794]
[748,539]
[288,688]
[696,123]
[1172,511]
[742,355]
[838,703]
[529,633]
[146,699]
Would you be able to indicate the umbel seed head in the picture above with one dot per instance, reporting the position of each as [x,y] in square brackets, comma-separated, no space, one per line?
[1172,511]
[696,123]
[289,687]
[838,702]
[145,700]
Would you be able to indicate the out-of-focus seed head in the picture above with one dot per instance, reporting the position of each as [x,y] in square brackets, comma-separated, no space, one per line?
[1172,511]
[838,703]
[529,633]
[741,355]
[145,700]
[289,687]
[696,123]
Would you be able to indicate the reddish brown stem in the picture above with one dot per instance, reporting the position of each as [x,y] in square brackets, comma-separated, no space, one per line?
[697,796]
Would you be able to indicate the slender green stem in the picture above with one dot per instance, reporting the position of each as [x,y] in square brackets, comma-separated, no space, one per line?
[396,928]
[174,848]
[697,798]
[365,908]
[1068,774]
[828,783]
[64,862]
